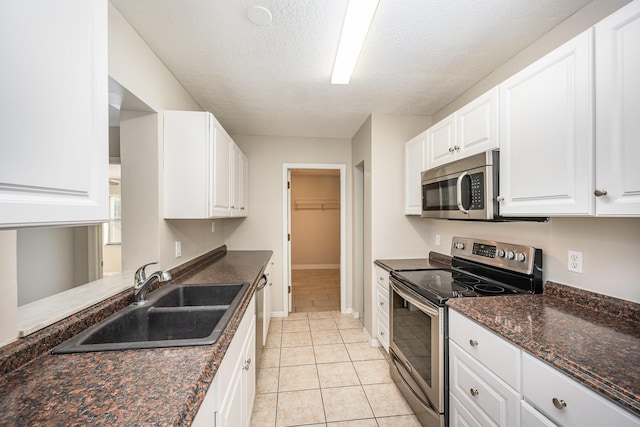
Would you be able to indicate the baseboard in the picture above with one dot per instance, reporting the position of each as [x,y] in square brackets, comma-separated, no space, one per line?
[279,314]
[315,267]
[373,342]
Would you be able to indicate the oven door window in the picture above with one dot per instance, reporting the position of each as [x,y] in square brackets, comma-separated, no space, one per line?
[412,336]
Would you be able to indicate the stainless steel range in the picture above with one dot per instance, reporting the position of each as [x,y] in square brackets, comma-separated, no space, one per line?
[418,316]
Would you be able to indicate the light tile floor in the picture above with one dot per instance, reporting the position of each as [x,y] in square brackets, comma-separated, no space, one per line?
[317,369]
[315,290]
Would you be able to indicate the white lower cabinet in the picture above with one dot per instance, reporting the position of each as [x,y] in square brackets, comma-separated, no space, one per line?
[382,306]
[530,417]
[486,397]
[494,383]
[229,401]
[567,402]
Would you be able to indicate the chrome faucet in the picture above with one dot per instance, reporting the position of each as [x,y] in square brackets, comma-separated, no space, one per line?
[142,283]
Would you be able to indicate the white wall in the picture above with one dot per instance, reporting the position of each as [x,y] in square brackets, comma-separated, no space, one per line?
[262,229]
[136,67]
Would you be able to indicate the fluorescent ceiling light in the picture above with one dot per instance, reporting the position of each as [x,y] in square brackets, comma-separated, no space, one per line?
[354,31]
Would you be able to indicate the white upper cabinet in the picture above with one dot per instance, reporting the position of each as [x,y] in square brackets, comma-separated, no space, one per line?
[546,134]
[414,164]
[441,140]
[239,177]
[471,130]
[200,162]
[617,113]
[54,130]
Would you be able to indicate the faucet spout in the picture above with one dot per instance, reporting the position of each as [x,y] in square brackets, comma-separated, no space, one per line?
[142,283]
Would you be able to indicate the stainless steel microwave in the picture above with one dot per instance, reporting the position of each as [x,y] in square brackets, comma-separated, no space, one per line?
[466,189]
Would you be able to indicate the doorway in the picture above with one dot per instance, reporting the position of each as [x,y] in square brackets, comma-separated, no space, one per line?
[315,239]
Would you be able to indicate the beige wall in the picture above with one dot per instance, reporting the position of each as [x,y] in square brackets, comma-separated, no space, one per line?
[262,229]
[388,233]
[135,66]
[8,286]
[315,231]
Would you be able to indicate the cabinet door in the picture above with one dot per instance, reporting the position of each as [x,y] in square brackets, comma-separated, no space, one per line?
[222,158]
[249,375]
[187,172]
[441,139]
[546,134]
[617,107]
[477,125]
[414,155]
[231,412]
[54,129]
[239,176]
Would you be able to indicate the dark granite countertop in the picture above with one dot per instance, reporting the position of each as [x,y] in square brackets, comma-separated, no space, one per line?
[125,388]
[592,338]
[434,261]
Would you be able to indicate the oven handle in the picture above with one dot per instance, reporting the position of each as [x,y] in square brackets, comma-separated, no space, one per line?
[459,192]
[431,311]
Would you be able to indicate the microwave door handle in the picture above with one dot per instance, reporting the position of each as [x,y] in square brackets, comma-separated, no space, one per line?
[459,192]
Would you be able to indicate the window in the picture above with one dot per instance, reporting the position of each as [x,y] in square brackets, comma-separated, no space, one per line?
[112,230]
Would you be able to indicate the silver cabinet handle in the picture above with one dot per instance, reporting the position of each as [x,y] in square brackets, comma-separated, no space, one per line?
[456,148]
[500,198]
[599,192]
[474,392]
[247,363]
[382,333]
[473,343]
[451,149]
[559,404]
[381,303]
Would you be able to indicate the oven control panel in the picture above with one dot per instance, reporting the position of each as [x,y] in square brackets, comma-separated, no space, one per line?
[510,256]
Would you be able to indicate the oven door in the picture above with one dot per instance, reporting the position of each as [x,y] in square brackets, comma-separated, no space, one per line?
[417,352]
[461,195]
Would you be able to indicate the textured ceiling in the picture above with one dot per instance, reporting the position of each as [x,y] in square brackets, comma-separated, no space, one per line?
[275,79]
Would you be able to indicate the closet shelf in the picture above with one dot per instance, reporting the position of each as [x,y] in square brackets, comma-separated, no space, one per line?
[319,205]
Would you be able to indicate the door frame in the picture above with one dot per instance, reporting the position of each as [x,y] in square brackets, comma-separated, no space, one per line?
[286,227]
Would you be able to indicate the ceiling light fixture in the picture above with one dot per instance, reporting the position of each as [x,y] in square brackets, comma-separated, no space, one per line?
[354,30]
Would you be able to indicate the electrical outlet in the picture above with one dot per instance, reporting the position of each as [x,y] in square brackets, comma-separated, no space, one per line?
[213,226]
[437,240]
[178,249]
[575,261]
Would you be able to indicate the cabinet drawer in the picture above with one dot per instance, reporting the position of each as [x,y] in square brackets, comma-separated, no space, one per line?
[383,333]
[489,399]
[532,418]
[499,356]
[545,387]
[459,416]
[382,277]
[382,302]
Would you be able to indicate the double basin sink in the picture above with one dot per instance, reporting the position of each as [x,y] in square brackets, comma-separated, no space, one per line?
[173,316]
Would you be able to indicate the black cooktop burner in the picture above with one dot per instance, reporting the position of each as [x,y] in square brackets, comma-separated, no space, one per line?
[440,285]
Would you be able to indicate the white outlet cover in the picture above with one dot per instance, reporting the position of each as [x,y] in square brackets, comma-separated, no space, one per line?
[178,249]
[574,261]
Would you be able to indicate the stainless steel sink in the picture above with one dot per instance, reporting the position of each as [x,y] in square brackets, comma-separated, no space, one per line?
[174,316]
